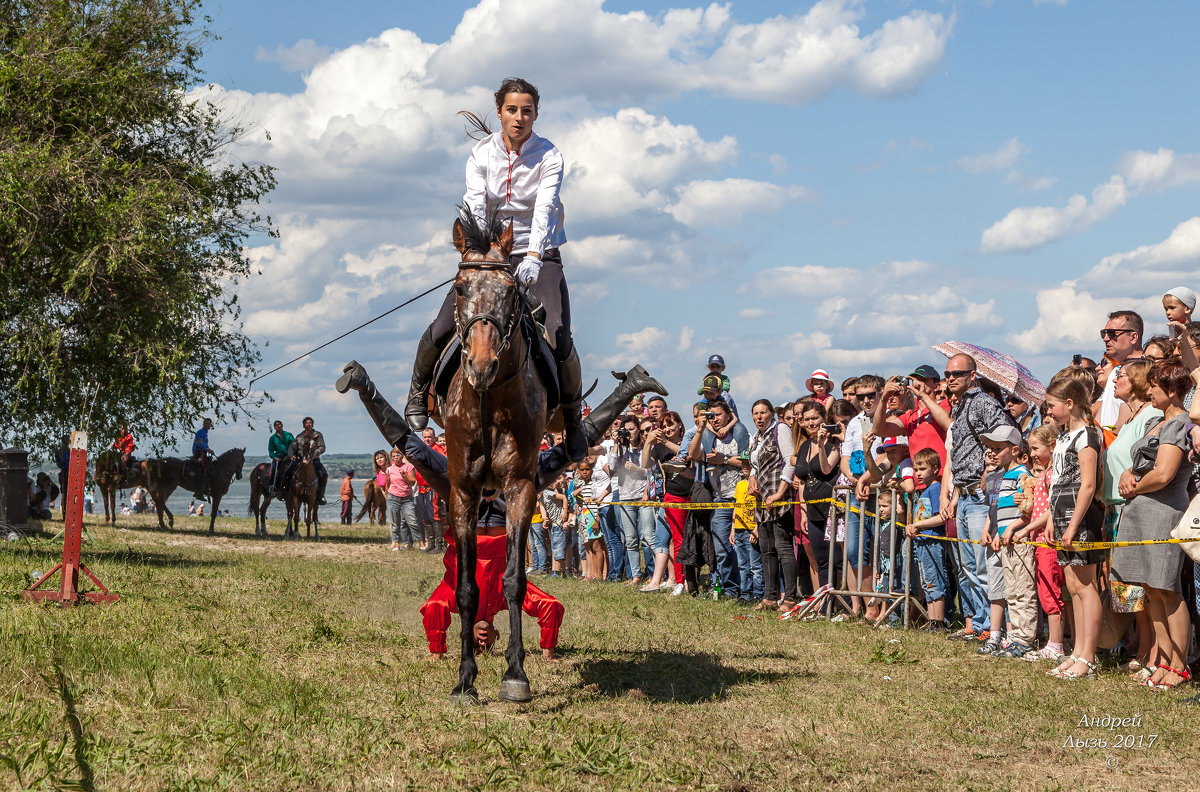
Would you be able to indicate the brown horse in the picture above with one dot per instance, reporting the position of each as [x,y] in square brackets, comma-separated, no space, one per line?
[110,478]
[261,496]
[374,503]
[163,476]
[303,492]
[495,414]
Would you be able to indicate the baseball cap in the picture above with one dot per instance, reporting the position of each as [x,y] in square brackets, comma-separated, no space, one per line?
[1003,433]
[711,381]
[894,442]
[926,372]
[655,398]
[716,360]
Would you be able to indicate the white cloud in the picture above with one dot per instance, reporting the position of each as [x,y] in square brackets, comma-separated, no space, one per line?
[1029,227]
[774,383]
[1156,170]
[1001,159]
[300,57]
[1029,183]
[647,346]
[726,202]
[755,313]
[1070,319]
[804,281]
[786,59]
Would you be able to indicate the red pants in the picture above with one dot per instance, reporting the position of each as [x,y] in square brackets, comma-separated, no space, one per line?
[1049,579]
[675,520]
[489,574]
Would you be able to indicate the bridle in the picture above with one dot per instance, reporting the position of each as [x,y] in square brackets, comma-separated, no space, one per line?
[507,327]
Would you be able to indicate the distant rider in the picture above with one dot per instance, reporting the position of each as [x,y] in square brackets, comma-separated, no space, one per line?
[277,449]
[201,453]
[310,444]
[124,444]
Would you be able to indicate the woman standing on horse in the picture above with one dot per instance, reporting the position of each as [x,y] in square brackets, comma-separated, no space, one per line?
[516,175]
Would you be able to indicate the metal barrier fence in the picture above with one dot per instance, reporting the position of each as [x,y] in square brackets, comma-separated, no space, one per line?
[867,523]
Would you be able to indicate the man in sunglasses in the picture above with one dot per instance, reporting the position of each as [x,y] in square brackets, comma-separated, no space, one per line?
[1027,416]
[925,426]
[1122,337]
[963,499]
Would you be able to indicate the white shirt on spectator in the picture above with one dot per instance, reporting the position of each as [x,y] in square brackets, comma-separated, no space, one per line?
[1110,405]
[601,481]
[854,436]
[629,474]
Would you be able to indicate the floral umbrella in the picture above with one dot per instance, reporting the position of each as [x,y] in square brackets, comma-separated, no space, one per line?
[1002,369]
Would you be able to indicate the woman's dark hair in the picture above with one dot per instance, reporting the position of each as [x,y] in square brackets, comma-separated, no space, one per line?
[385,459]
[764,402]
[1172,376]
[842,408]
[516,85]
[674,416]
[806,405]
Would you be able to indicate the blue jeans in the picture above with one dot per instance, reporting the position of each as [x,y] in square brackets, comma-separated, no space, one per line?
[561,537]
[930,558]
[859,530]
[662,534]
[629,519]
[537,547]
[613,540]
[727,566]
[972,517]
[402,514]
[647,519]
[749,561]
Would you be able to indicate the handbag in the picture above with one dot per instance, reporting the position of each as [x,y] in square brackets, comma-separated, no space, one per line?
[1126,597]
[1188,527]
[1146,456]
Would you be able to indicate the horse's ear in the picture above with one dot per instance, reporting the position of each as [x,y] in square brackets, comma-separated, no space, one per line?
[506,241]
[460,238]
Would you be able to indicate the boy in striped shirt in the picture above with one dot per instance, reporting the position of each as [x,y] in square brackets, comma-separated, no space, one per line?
[1003,449]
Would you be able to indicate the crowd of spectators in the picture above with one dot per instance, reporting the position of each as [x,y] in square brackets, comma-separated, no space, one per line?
[996,495]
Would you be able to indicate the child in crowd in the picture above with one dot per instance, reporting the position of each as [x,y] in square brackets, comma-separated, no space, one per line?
[716,366]
[893,465]
[744,537]
[1003,445]
[820,388]
[587,523]
[1015,561]
[1178,303]
[1077,517]
[553,506]
[1049,578]
[929,553]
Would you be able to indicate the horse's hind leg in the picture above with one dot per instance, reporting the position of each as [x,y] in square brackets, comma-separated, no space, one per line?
[466,595]
[514,686]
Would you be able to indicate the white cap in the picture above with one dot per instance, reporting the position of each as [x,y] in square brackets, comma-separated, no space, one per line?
[1184,295]
[1004,433]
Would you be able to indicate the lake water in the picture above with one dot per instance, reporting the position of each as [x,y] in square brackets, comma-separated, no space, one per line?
[237,501]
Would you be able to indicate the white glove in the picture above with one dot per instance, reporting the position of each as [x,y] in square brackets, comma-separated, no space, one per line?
[528,269]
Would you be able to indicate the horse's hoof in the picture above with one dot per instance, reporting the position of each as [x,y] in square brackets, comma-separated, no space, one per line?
[515,690]
[465,698]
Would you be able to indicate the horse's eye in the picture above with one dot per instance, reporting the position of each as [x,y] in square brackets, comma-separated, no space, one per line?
[458,290]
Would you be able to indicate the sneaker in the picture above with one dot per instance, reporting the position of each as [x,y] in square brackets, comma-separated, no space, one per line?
[1045,653]
[965,634]
[990,647]
[841,617]
[678,590]
[395,546]
[1015,650]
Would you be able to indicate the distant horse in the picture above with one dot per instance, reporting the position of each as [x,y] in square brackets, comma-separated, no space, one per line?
[374,503]
[165,475]
[303,492]
[495,414]
[110,478]
[260,490]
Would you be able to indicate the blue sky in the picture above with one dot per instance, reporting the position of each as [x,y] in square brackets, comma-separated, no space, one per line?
[838,184]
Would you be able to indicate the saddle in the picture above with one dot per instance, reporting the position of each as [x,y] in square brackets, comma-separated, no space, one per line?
[539,351]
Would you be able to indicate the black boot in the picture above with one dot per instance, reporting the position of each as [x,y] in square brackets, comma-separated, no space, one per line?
[570,383]
[416,410]
[393,427]
[322,481]
[636,380]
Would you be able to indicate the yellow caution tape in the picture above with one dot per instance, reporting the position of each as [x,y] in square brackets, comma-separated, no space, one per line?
[1075,546]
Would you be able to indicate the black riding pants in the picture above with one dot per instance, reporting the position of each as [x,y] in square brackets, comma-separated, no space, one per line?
[550,288]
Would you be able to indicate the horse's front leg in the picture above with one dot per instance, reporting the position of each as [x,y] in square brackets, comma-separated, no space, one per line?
[519,498]
[464,513]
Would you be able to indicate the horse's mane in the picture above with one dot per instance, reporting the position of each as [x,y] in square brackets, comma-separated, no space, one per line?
[480,235]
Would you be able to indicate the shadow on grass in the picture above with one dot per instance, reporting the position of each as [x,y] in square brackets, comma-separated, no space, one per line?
[275,532]
[50,555]
[682,677]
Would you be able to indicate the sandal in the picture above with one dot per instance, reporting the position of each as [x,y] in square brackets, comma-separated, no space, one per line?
[1058,670]
[1143,674]
[1185,679]
[764,605]
[1089,674]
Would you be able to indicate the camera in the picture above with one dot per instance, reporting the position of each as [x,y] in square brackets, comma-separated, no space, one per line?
[709,414]
[1076,360]
[904,382]
[623,436]
[831,428]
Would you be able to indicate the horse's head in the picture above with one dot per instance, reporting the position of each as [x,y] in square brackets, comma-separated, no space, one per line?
[234,459]
[486,307]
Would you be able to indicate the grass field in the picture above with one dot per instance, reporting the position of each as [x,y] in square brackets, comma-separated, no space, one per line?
[235,663]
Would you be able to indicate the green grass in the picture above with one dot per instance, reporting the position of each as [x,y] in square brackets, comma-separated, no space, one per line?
[236,663]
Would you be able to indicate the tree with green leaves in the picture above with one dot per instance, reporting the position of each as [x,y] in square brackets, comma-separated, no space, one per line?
[123,223]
